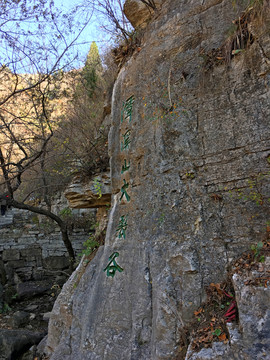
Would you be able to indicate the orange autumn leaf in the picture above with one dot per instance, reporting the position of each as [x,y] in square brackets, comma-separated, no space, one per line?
[217,287]
[198,312]
[222,337]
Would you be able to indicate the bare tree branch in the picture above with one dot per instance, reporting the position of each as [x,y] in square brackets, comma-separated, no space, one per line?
[149,3]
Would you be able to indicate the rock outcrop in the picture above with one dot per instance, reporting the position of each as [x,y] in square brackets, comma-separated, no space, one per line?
[189,147]
[138,13]
[95,194]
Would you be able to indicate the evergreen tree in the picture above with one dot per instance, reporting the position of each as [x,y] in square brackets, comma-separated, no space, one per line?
[93,58]
[92,69]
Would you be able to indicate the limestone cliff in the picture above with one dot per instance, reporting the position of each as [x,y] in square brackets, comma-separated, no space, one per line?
[189,143]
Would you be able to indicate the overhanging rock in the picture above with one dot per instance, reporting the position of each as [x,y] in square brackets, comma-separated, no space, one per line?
[138,13]
[94,194]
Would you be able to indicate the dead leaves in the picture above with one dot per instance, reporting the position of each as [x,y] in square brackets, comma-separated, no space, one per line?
[216,197]
[210,321]
[259,281]
[250,261]
[206,336]
[223,338]
[196,313]
[217,288]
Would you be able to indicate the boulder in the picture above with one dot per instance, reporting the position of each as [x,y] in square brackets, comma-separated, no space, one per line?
[13,343]
[56,262]
[46,316]
[19,319]
[138,13]
[41,347]
[29,289]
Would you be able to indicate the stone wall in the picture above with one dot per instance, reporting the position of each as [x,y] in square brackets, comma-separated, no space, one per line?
[31,248]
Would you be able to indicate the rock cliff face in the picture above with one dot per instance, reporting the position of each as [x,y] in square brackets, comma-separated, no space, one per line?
[190,152]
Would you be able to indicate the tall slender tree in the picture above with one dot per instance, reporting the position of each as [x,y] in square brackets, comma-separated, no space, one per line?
[92,69]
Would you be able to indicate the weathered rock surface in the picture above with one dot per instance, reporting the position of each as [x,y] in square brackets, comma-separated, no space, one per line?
[198,133]
[61,317]
[138,13]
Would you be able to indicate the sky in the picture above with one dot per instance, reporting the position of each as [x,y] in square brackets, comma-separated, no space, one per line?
[38,44]
[93,31]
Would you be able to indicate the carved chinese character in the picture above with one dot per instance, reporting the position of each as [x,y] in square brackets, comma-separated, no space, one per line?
[122,227]
[127,109]
[126,140]
[125,167]
[112,267]
[124,191]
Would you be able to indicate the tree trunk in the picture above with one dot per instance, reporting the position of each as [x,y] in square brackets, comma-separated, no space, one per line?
[68,245]
[57,219]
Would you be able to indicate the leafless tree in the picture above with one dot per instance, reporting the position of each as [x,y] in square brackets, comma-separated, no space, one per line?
[35,44]
[113,17]
[110,14]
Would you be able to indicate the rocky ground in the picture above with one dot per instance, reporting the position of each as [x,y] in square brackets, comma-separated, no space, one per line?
[24,322]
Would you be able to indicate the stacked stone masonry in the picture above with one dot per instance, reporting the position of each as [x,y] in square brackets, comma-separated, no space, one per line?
[29,251]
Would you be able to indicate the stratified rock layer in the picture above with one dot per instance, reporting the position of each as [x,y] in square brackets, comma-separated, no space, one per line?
[193,133]
[95,194]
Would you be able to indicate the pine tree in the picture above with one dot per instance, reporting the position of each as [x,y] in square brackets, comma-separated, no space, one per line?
[92,69]
[93,58]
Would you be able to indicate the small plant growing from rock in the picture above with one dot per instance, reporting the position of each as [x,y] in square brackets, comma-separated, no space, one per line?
[190,175]
[161,219]
[66,212]
[90,245]
[98,187]
[5,308]
[256,249]
[217,332]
